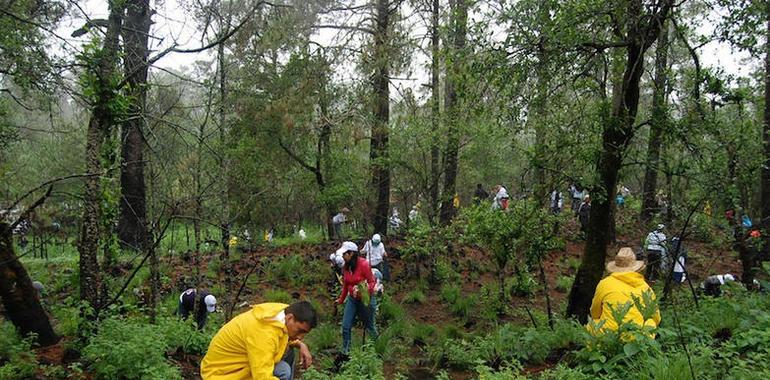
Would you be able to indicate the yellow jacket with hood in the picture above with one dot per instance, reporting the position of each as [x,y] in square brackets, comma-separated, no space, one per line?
[616,290]
[247,347]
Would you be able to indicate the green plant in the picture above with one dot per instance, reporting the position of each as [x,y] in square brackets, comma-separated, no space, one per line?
[415,296]
[278,295]
[16,355]
[129,350]
[564,283]
[522,285]
[323,336]
[450,293]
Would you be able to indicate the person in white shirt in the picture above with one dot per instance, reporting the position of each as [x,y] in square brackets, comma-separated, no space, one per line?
[395,221]
[337,221]
[557,201]
[374,252]
[413,214]
[656,252]
[501,198]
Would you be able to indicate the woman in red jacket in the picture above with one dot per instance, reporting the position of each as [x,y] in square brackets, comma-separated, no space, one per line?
[355,271]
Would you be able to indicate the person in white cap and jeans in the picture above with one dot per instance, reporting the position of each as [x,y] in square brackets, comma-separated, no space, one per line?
[656,252]
[374,253]
[207,303]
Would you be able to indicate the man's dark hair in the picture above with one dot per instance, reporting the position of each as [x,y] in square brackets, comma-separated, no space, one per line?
[478,185]
[304,312]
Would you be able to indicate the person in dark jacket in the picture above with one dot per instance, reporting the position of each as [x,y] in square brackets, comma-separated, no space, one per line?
[479,195]
[207,303]
[584,211]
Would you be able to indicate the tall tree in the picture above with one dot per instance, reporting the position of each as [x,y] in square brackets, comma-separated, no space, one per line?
[458,34]
[132,228]
[378,153]
[435,107]
[101,76]
[765,176]
[657,125]
[642,24]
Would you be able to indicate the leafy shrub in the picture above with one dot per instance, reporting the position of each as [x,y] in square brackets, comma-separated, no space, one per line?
[184,336]
[16,355]
[445,272]
[463,306]
[388,310]
[125,349]
[522,285]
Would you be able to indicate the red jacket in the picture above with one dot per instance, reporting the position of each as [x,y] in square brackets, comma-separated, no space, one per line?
[351,279]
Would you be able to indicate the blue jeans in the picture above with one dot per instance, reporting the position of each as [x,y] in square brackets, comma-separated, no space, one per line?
[355,309]
[284,369]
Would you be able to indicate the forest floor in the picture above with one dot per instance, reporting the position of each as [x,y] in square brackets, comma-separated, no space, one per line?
[704,259]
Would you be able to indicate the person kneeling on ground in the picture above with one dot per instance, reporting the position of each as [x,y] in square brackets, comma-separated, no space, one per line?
[355,271]
[713,284]
[254,344]
[207,303]
[623,284]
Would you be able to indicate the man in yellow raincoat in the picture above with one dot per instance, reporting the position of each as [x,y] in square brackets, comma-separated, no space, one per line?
[252,345]
[623,284]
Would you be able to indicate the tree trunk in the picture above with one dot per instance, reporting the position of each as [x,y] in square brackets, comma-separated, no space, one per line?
[540,107]
[224,164]
[617,134]
[657,126]
[101,120]
[133,209]
[20,299]
[459,24]
[765,180]
[378,153]
[435,169]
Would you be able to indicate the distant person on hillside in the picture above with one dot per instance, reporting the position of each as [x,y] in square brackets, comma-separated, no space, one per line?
[501,198]
[414,213]
[357,288]
[302,234]
[655,245]
[260,343]
[557,201]
[479,195]
[394,220]
[620,200]
[679,265]
[712,286]
[578,194]
[337,221]
[623,284]
[584,213]
[375,254]
[38,286]
[207,303]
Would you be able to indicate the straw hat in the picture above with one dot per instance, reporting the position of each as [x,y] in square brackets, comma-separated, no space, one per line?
[625,261]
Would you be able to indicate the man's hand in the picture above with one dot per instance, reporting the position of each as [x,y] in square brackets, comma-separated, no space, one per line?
[305,358]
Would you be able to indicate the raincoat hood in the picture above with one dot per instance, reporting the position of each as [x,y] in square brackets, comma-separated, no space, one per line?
[267,310]
[632,279]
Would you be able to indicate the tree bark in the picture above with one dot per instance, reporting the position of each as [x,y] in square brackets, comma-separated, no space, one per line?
[378,153]
[617,134]
[101,120]
[20,299]
[435,169]
[765,173]
[133,208]
[459,26]
[657,126]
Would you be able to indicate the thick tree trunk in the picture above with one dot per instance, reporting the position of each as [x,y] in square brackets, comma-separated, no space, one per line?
[658,125]
[224,164]
[379,143]
[133,209]
[435,168]
[20,299]
[617,134]
[459,24]
[101,120]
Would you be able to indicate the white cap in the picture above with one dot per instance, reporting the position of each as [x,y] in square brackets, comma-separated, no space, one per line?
[337,259]
[729,277]
[347,246]
[661,226]
[376,238]
[211,303]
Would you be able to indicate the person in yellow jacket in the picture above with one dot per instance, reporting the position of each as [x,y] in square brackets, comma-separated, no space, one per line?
[621,286]
[252,345]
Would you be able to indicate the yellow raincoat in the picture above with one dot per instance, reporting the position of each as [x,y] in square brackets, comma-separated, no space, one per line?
[616,290]
[248,347]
